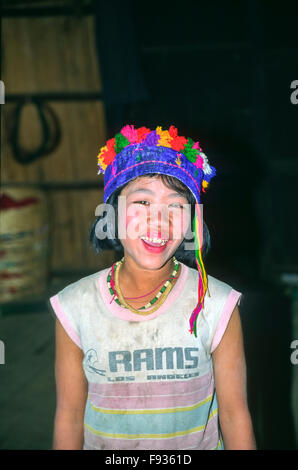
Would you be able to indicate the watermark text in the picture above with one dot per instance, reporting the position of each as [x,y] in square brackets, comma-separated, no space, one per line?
[294,94]
[2,92]
[137,220]
[294,355]
[2,353]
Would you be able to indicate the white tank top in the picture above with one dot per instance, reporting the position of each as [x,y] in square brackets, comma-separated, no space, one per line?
[150,382]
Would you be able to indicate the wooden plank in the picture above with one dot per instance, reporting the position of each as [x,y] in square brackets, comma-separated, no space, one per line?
[58,54]
[71,216]
[54,54]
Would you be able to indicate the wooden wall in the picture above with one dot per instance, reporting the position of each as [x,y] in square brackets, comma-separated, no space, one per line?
[57,54]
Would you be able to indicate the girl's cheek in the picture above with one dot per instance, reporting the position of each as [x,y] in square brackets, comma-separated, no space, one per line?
[135,221]
[186,221]
[180,224]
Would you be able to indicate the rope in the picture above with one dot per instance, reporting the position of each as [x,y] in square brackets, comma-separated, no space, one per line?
[49,138]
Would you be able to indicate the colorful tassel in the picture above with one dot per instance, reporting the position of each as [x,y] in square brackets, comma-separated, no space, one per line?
[202,287]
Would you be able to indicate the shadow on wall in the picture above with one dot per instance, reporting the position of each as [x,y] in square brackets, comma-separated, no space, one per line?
[266,322]
[230,206]
[237,236]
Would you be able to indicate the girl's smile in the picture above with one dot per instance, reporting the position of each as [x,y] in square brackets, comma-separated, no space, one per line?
[154,246]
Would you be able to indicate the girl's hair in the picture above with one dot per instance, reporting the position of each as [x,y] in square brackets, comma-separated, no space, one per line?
[185,256]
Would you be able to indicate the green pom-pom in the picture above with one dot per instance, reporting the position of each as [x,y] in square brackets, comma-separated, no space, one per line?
[120,142]
[138,157]
[190,153]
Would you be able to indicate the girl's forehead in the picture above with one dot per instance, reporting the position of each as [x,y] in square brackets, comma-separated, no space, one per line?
[141,182]
[153,184]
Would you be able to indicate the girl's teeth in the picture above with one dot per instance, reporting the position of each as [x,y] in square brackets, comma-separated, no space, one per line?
[155,240]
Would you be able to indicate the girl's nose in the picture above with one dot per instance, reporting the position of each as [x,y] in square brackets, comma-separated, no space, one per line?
[158,217]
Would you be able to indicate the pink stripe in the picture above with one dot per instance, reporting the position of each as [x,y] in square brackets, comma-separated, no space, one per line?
[64,320]
[150,389]
[206,439]
[152,402]
[232,300]
[124,313]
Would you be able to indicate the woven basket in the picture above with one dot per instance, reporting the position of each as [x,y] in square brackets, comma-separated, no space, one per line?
[24,243]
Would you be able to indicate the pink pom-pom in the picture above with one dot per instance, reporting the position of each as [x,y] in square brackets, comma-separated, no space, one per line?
[197,146]
[130,133]
[199,162]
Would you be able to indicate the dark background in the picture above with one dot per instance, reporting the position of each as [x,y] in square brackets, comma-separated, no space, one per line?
[221,73]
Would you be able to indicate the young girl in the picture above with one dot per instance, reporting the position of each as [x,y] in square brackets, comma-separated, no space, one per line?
[149,352]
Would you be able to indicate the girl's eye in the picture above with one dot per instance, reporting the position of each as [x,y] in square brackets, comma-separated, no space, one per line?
[177,205]
[141,202]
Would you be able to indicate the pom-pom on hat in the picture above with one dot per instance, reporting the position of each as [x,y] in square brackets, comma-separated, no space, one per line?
[137,152]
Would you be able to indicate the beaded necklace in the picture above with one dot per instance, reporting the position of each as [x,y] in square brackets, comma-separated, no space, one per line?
[114,289]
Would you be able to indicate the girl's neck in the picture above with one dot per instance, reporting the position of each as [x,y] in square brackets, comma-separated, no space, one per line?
[134,278]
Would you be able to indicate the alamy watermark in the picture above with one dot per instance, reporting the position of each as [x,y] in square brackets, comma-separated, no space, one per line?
[154,220]
[294,355]
[2,92]
[294,94]
[2,353]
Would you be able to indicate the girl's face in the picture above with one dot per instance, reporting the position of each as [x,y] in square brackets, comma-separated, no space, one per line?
[153,221]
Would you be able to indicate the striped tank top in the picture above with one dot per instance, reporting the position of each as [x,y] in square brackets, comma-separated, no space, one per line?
[150,382]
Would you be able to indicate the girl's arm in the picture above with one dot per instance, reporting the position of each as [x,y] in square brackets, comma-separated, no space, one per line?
[71,390]
[230,383]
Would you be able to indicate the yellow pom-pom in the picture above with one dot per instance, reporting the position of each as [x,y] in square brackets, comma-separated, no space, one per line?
[102,165]
[204,185]
[165,138]
[100,158]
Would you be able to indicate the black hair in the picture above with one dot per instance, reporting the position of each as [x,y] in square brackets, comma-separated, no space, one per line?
[113,243]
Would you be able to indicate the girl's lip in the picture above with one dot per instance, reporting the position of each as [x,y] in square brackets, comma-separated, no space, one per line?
[154,249]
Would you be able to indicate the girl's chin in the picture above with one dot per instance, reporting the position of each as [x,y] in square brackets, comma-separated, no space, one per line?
[155,258]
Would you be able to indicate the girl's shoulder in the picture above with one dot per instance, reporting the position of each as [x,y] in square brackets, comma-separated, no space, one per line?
[220,298]
[217,287]
[75,301]
[78,290]
[219,303]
